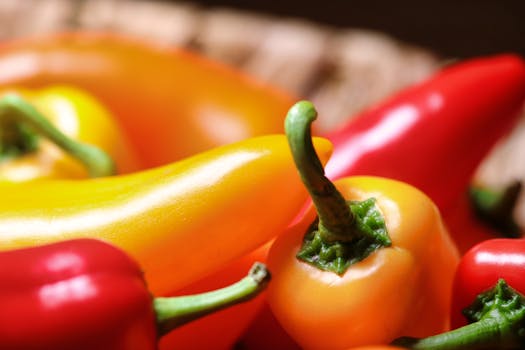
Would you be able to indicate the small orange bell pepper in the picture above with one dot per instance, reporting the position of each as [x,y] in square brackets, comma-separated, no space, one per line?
[59,132]
[188,218]
[375,264]
[171,102]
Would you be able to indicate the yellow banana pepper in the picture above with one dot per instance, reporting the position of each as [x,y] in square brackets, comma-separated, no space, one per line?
[180,221]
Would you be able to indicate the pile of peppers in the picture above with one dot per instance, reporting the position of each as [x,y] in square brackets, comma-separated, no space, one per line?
[141,182]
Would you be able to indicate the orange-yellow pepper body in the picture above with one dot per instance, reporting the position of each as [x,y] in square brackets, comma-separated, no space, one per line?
[180,221]
[404,289]
[171,102]
[80,117]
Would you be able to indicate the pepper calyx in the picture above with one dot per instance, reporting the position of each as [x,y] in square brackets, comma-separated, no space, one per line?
[497,322]
[501,303]
[337,256]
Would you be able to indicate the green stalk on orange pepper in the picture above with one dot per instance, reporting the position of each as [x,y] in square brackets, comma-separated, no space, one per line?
[59,132]
[172,103]
[200,213]
[377,262]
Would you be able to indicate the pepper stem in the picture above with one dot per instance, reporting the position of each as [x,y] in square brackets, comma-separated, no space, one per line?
[498,322]
[15,112]
[335,217]
[345,232]
[175,311]
[496,208]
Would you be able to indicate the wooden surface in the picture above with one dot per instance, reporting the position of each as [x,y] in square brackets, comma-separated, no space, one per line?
[341,70]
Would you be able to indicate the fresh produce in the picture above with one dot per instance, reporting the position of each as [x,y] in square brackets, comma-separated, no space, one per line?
[171,103]
[200,213]
[489,294]
[59,132]
[434,135]
[87,294]
[376,263]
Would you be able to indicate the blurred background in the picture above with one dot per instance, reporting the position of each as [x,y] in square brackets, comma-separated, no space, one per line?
[342,55]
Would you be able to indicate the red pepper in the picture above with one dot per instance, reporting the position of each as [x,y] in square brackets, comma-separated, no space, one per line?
[482,266]
[434,135]
[488,293]
[85,294]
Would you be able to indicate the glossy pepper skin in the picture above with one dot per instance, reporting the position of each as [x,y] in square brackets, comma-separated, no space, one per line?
[168,100]
[199,213]
[489,293]
[443,123]
[401,287]
[80,121]
[87,294]
[441,128]
[481,268]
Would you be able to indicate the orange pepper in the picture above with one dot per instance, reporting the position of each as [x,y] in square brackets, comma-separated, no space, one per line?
[376,264]
[59,132]
[180,221]
[172,103]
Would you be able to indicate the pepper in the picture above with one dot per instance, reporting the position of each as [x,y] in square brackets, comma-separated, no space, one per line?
[201,212]
[222,328]
[445,123]
[375,264]
[172,103]
[489,295]
[88,294]
[439,129]
[59,131]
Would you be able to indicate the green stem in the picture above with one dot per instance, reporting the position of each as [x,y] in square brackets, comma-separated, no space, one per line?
[498,322]
[496,208]
[176,311]
[15,109]
[335,217]
[346,232]
[475,336]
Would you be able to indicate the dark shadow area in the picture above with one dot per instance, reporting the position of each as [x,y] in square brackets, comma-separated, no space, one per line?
[459,29]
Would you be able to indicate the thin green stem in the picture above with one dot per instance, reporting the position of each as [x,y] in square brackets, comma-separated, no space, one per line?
[176,311]
[15,108]
[335,217]
[485,334]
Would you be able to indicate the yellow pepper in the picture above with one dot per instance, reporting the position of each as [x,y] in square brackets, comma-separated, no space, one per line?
[180,221]
[375,264]
[59,132]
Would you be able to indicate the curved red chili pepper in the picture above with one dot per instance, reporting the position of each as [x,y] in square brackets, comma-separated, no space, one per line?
[434,135]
